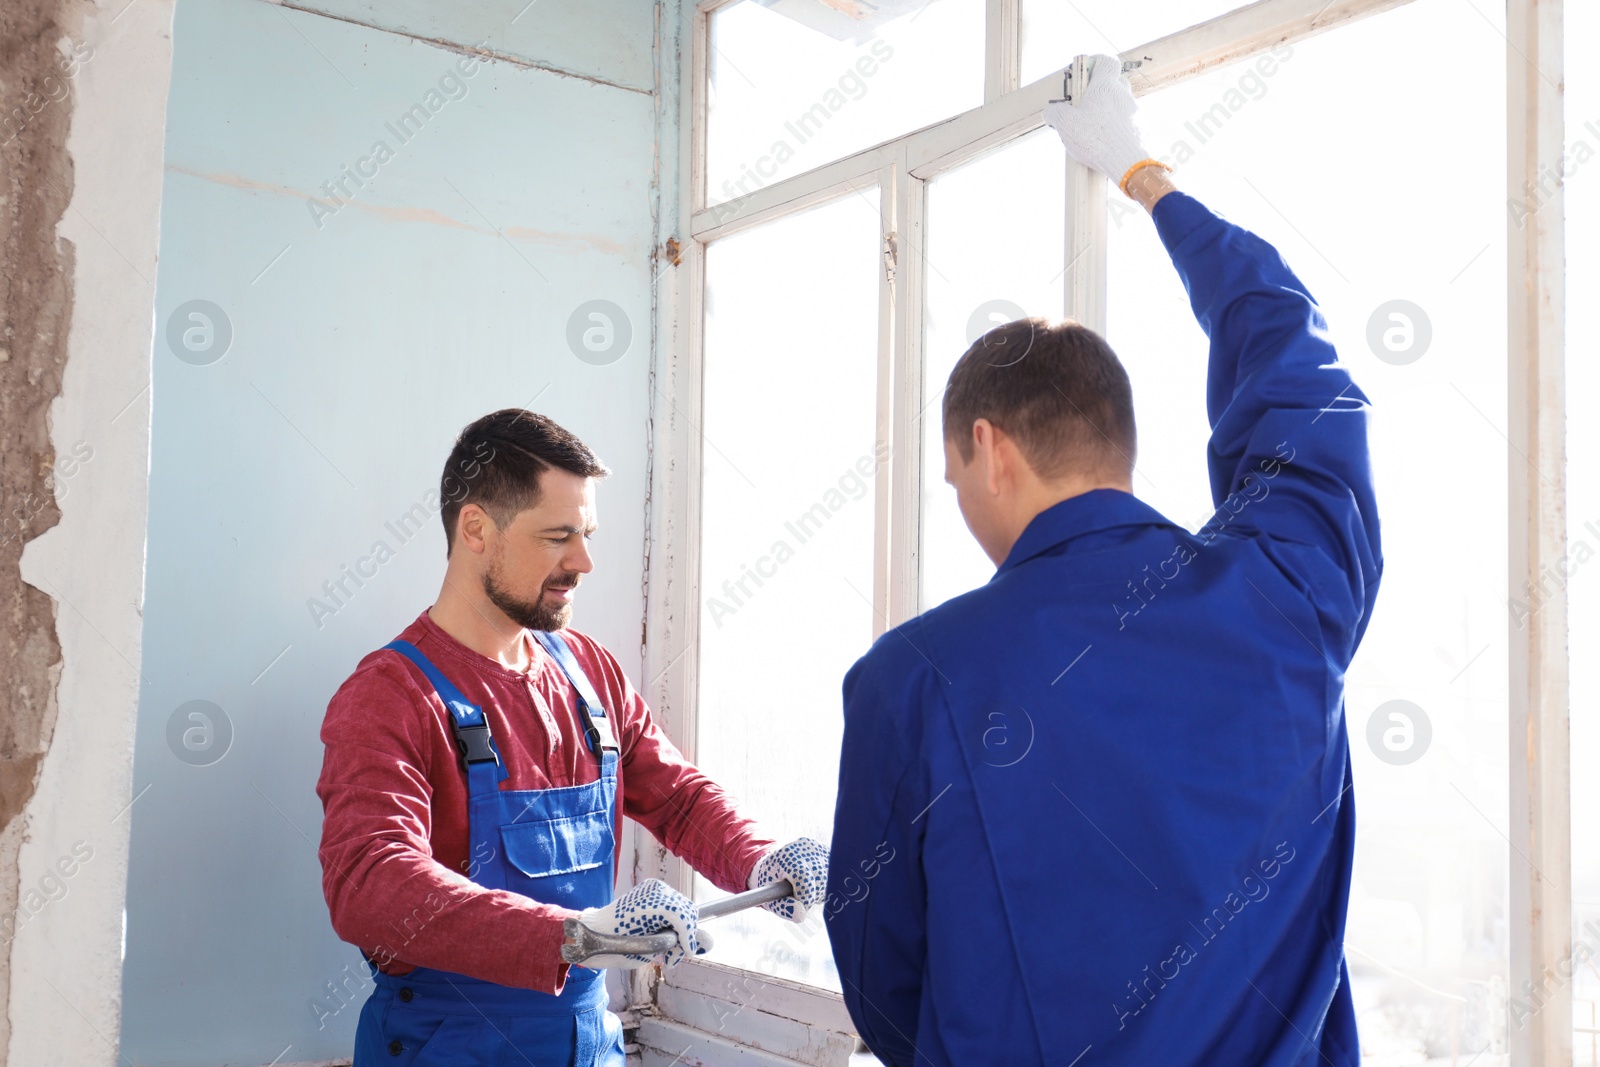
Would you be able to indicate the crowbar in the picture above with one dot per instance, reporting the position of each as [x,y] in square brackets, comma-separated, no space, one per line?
[579,943]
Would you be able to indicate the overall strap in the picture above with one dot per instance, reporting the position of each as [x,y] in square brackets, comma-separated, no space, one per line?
[595,724]
[484,766]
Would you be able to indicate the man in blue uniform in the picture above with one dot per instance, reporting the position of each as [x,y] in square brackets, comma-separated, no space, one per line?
[1100,807]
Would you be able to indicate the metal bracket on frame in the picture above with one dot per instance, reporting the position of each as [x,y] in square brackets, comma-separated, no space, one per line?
[1077,68]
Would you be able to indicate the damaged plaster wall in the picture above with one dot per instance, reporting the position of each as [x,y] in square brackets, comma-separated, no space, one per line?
[36,280]
[83,88]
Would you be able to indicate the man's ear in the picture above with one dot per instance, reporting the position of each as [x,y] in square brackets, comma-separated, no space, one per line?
[473,528]
[988,446]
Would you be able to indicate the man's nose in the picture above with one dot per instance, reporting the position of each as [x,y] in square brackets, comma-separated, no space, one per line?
[578,559]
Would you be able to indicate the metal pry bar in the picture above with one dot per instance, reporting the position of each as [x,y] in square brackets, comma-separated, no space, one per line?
[579,943]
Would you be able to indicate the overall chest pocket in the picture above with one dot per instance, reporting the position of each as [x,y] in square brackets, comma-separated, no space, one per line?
[560,846]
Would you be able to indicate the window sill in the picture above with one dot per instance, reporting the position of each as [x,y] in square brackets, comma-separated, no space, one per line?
[710,1014]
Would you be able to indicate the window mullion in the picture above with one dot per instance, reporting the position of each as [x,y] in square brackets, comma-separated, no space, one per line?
[883,434]
[910,401]
[1002,61]
[1087,233]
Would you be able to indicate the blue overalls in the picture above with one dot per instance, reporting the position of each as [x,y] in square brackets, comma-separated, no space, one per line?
[556,846]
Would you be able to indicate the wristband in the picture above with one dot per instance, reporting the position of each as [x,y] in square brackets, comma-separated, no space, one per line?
[1123,184]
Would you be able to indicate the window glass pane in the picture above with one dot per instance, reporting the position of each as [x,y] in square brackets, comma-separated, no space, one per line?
[1583,508]
[1408,264]
[786,533]
[1053,31]
[995,246]
[796,83]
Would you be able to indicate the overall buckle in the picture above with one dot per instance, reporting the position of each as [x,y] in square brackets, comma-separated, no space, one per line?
[597,729]
[475,745]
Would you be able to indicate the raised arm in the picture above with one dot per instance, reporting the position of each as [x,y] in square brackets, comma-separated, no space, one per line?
[1288,456]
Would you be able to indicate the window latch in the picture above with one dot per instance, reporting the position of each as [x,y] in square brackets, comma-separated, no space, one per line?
[1077,74]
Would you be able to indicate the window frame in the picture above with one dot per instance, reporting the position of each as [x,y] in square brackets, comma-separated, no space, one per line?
[683,999]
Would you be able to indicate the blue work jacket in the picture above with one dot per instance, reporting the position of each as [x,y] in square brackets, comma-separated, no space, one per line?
[1101,806]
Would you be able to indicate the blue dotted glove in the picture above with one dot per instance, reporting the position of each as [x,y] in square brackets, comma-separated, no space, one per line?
[651,907]
[805,863]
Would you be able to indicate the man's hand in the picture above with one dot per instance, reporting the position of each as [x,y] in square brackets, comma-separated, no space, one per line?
[805,863]
[651,907]
[1097,124]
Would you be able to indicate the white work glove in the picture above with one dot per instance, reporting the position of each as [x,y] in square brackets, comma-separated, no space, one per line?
[1097,124]
[805,863]
[651,907]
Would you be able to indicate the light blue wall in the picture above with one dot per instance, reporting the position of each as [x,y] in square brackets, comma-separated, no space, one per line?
[363,339]
[564,34]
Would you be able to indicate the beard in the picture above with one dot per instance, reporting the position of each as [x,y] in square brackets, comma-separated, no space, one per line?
[530,614]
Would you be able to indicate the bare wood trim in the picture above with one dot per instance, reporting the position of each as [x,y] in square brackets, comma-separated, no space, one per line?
[1541,862]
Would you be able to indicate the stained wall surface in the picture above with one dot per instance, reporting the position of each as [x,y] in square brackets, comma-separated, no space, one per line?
[368,239]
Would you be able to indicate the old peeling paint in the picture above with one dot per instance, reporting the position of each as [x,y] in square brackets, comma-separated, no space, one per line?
[36,65]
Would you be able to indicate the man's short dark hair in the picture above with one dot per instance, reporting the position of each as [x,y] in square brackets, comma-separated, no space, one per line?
[1056,388]
[496,463]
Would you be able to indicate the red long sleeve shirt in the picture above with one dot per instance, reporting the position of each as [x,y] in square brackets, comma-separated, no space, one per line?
[394,798]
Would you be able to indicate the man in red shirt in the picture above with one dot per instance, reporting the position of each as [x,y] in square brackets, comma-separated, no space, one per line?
[475,775]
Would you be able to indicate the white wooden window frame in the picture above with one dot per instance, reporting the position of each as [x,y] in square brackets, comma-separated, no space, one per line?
[710,1013]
